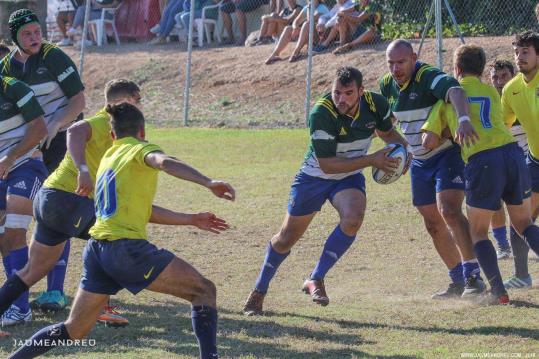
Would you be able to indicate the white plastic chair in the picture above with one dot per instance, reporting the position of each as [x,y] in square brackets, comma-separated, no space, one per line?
[98,25]
[200,26]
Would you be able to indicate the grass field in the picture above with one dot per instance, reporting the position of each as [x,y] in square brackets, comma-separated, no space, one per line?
[380,291]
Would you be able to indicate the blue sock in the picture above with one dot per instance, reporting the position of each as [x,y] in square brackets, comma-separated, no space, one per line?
[486,255]
[18,259]
[56,277]
[7,265]
[531,235]
[204,321]
[471,269]
[456,274]
[336,245]
[500,235]
[272,261]
[53,334]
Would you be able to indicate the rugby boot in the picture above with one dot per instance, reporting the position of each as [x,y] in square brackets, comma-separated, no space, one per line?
[55,301]
[111,318]
[474,286]
[518,283]
[453,291]
[494,299]
[253,305]
[317,290]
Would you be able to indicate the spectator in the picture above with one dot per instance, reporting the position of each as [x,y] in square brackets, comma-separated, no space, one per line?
[95,13]
[298,30]
[64,16]
[328,22]
[362,29]
[199,5]
[274,23]
[167,22]
[240,7]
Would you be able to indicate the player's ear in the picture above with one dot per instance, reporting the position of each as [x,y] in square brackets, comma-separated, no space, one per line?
[113,135]
[142,132]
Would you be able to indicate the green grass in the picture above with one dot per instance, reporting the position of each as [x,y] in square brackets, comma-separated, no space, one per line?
[380,291]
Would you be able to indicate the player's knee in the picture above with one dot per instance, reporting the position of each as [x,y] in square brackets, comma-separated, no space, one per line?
[450,213]
[205,291]
[351,224]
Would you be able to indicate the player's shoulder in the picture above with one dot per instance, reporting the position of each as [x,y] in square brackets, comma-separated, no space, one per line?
[515,83]
[386,80]
[12,85]
[376,102]
[426,72]
[52,54]
[324,106]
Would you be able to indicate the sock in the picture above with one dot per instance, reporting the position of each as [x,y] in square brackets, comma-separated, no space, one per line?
[531,236]
[7,265]
[272,261]
[336,245]
[18,259]
[520,254]
[486,255]
[471,269]
[10,291]
[53,334]
[456,274]
[204,321]
[56,277]
[500,235]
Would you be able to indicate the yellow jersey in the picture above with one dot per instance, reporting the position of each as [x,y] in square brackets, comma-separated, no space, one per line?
[65,176]
[485,116]
[125,190]
[521,100]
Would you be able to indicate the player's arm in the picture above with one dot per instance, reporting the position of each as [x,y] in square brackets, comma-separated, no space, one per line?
[78,136]
[181,170]
[508,114]
[205,220]
[74,107]
[465,134]
[435,127]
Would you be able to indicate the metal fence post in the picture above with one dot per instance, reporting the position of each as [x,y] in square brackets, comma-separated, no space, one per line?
[84,36]
[188,65]
[439,33]
[309,63]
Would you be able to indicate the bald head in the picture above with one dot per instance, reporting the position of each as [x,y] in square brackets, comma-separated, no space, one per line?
[401,60]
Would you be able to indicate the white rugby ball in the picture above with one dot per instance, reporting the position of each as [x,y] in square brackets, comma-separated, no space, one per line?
[397,151]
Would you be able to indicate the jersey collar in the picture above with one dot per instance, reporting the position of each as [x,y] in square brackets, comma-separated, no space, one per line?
[469,80]
[534,82]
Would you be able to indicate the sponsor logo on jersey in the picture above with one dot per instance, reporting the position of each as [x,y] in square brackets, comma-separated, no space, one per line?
[371,124]
[41,70]
[413,96]
[7,106]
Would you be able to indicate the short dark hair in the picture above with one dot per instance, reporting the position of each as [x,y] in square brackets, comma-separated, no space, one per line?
[118,88]
[470,59]
[345,75]
[527,39]
[125,119]
[500,64]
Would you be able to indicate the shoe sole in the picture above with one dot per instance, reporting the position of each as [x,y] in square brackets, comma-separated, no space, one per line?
[321,301]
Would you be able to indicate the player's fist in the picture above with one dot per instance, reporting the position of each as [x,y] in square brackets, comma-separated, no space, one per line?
[85,185]
[381,161]
[222,190]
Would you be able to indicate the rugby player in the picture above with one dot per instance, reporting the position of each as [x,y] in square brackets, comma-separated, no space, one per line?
[342,124]
[495,164]
[119,256]
[412,88]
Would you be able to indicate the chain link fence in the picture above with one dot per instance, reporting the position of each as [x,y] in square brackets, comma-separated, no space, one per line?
[221,76]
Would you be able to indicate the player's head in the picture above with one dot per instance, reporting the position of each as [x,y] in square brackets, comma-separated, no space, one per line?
[4,50]
[401,60]
[126,120]
[347,89]
[469,60]
[25,31]
[500,72]
[122,90]
[526,46]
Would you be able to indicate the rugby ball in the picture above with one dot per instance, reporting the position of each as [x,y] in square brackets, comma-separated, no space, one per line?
[397,151]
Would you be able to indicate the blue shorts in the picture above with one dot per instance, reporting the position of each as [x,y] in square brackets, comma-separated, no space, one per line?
[497,174]
[533,167]
[308,194]
[61,215]
[444,171]
[23,181]
[110,266]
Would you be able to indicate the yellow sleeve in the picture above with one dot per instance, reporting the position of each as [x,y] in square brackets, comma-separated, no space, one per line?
[436,122]
[144,150]
[508,114]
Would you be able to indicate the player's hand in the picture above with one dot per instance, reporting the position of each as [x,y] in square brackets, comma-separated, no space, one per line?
[210,222]
[222,190]
[381,161]
[52,130]
[85,185]
[409,157]
[466,134]
[5,165]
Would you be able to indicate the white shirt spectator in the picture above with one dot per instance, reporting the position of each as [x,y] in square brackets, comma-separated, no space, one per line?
[65,5]
[330,19]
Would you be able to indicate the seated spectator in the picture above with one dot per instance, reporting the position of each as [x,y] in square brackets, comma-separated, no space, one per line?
[199,5]
[274,23]
[299,30]
[167,22]
[95,13]
[362,29]
[327,28]
[64,16]
[240,7]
